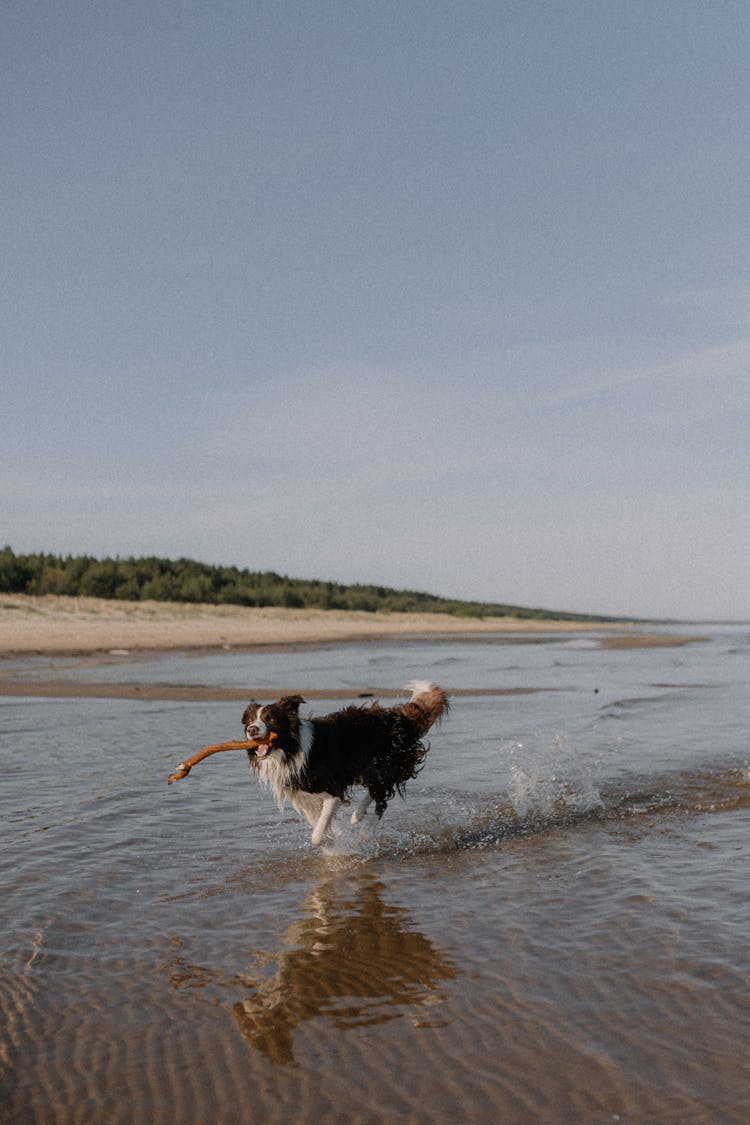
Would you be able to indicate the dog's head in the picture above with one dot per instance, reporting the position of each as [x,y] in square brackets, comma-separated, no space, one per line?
[274,726]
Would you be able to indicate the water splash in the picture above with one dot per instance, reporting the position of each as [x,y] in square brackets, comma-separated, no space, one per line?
[549,789]
[548,784]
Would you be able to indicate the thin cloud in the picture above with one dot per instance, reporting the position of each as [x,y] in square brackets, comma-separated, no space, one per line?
[725,360]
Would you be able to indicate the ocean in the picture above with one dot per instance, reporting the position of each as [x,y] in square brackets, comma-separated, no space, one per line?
[553,926]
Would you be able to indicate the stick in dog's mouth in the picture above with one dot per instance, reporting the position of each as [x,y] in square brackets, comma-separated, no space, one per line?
[261,748]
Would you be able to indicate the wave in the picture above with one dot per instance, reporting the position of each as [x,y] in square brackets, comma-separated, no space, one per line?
[535,805]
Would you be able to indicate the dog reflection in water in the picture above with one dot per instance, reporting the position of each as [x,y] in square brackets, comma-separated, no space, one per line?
[352,959]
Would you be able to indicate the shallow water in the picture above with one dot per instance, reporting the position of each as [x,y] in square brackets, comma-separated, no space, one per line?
[552,927]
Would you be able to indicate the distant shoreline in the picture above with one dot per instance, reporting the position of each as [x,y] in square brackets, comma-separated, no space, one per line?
[94,632]
[58,625]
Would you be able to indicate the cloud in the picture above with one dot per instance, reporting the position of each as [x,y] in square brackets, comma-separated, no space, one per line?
[729,361]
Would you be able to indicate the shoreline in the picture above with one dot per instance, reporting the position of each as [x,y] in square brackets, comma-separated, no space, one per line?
[55,625]
[93,632]
[204,693]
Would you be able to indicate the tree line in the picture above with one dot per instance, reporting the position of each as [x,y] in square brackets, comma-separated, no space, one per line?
[184,580]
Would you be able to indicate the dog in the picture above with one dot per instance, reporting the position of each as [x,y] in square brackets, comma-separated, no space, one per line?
[314,763]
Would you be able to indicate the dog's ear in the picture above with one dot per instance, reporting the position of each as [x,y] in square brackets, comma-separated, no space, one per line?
[249,712]
[290,703]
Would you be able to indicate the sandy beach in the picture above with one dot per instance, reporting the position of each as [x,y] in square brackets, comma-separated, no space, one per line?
[94,631]
[65,625]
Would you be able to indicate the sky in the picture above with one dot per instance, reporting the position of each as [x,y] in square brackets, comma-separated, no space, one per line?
[451,297]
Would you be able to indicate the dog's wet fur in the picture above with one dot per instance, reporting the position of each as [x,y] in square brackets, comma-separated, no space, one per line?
[314,763]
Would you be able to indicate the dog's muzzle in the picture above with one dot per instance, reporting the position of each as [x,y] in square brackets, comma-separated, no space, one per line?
[262,742]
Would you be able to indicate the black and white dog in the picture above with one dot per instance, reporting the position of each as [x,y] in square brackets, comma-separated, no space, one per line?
[315,762]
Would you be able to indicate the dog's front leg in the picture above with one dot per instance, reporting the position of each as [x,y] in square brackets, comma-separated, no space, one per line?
[361,810]
[327,813]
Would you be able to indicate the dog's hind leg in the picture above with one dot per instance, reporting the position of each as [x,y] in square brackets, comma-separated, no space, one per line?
[327,813]
[361,809]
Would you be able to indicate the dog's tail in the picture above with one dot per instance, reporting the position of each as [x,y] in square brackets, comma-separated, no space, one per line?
[427,705]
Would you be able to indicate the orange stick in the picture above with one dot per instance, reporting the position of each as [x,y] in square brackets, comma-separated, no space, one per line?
[184,768]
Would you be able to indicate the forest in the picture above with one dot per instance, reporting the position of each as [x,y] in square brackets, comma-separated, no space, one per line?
[185,580]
